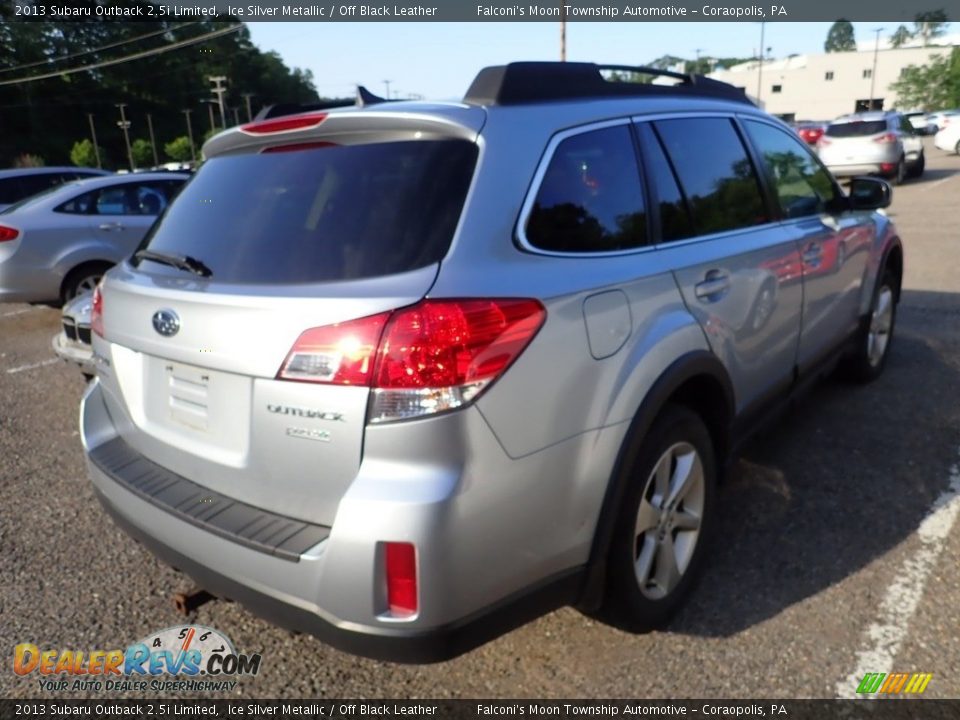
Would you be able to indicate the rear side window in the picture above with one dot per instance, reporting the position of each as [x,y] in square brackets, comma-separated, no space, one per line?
[860,128]
[10,191]
[715,173]
[590,199]
[674,217]
[321,214]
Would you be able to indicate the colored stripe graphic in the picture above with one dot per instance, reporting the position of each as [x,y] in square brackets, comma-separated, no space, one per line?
[894,683]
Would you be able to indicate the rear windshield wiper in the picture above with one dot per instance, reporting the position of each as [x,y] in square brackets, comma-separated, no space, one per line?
[181,262]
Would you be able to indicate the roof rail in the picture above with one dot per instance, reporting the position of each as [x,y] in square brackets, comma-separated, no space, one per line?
[529,82]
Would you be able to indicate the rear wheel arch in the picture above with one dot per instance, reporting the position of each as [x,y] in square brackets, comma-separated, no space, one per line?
[697,381]
[893,261]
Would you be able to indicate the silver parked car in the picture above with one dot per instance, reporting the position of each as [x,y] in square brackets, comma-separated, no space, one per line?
[58,244]
[18,184]
[873,143]
[406,375]
[73,342]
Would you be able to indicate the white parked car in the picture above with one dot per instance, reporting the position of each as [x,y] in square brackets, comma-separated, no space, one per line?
[942,118]
[949,138]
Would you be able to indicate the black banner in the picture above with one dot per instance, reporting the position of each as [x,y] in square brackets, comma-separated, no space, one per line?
[901,709]
[488,10]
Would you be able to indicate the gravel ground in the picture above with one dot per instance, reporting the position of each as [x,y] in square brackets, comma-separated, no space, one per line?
[819,520]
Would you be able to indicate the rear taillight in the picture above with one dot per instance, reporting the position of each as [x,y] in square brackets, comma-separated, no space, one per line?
[286,124]
[433,356]
[886,138]
[8,233]
[401,571]
[96,312]
[341,354]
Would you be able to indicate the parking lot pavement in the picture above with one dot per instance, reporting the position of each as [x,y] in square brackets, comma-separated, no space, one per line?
[838,550]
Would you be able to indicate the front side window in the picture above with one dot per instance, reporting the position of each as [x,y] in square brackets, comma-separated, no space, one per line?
[149,198]
[590,199]
[802,185]
[715,173]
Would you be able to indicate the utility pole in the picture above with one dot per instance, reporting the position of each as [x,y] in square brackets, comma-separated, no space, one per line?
[387,84]
[563,33]
[210,103]
[193,152]
[236,115]
[247,96]
[219,91]
[760,70]
[124,125]
[153,143]
[93,133]
[873,73]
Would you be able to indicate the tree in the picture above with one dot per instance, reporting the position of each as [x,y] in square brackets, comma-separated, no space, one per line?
[142,152]
[931,86]
[930,25]
[840,38]
[28,160]
[82,154]
[179,149]
[901,37]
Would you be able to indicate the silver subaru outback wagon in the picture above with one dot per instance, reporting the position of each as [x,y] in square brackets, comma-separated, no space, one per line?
[406,375]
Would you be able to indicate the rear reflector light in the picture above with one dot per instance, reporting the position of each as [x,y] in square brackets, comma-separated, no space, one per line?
[96,312]
[341,354]
[433,356]
[297,122]
[886,138]
[8,233]
[887,167]
[401,565]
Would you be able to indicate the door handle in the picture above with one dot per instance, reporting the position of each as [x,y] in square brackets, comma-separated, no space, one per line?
[713,285]
[111,226]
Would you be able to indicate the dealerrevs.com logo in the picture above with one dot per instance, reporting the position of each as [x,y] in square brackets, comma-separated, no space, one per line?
[200,658]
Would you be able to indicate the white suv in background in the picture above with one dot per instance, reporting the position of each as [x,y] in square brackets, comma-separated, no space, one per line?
[873,143]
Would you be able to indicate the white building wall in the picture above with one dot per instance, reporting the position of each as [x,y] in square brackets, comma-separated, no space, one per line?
[808,95]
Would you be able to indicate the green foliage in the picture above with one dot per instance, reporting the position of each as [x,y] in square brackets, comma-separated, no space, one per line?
[82,154]
[901,37]
[928,25]
[840,38]
[179,149]
[28,160]
[932,86]
[162,85]
[142,153]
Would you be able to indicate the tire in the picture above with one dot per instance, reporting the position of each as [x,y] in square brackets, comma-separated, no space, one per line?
[82,279]
[916,170]
[956,148]
[900,174]
[644,589]
[841,257]
[876,333]
[763,306]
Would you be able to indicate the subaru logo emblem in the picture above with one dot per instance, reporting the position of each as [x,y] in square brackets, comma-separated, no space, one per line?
[166,322]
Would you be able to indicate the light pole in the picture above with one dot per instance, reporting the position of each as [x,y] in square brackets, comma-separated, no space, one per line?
[193,153]
[760,69]
[93,133]
[873,73]
[124,125]
[387,85]
[153,143]
[563,33]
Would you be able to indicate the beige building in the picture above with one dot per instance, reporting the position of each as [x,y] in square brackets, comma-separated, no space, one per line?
[824,86]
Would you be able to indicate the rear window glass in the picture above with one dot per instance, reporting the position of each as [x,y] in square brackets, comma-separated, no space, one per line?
[857,129]
[322,214]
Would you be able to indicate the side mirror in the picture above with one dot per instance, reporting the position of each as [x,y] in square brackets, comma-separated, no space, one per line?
[867,193]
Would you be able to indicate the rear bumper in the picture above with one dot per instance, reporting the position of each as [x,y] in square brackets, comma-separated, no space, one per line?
[474,582]
[846,171]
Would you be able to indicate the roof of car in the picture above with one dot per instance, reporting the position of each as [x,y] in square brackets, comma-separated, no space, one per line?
[862,117]
[17,172]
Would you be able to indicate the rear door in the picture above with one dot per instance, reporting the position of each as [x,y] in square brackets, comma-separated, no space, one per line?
[834,246]
[727,249]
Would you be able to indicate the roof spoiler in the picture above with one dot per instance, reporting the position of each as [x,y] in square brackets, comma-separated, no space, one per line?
[364,97]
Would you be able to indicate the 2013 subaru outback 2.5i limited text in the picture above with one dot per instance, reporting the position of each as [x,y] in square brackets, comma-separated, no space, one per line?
[405,375]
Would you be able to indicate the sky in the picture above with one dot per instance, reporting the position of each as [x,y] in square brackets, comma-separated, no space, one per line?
[439,60]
